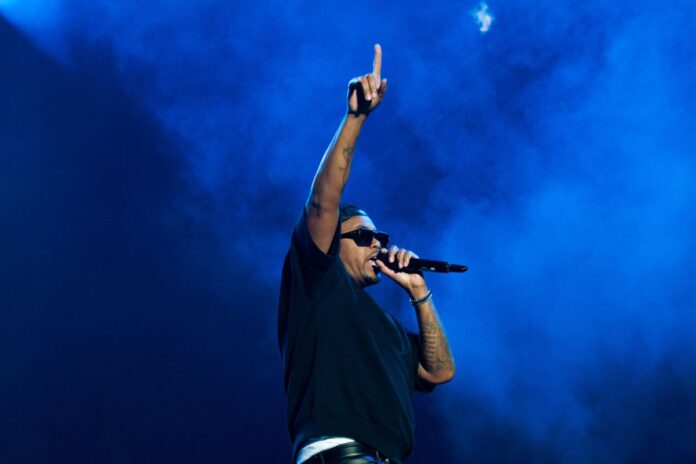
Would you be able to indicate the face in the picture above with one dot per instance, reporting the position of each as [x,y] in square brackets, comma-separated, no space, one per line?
[359,261]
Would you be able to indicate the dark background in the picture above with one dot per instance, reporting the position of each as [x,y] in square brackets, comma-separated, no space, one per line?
[154,157]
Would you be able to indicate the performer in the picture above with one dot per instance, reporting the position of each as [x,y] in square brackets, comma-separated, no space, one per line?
[350,368]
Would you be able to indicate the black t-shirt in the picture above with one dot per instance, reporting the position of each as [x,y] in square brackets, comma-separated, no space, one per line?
[350,368]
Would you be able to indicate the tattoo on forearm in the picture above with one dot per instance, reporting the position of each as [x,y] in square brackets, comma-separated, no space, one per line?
[348,157]
[436,352]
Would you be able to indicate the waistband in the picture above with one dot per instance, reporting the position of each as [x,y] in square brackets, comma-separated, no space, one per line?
[347,450]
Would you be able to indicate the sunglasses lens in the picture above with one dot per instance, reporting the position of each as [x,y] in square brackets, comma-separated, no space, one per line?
[364,237]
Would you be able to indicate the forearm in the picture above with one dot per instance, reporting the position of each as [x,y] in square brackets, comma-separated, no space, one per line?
[364,95]
[436,355]
[334,169]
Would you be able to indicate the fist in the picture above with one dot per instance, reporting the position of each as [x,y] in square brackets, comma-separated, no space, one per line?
[410,282]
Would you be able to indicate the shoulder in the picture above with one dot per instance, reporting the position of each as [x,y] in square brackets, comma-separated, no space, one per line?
[307,250]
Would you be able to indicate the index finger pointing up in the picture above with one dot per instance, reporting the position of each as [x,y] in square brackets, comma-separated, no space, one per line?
[377,64]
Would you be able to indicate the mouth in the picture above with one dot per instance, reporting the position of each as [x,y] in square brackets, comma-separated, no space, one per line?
[373,262]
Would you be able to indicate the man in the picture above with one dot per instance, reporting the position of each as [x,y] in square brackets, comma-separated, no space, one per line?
[350,368]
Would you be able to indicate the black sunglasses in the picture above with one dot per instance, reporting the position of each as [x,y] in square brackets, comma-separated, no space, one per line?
[363,237]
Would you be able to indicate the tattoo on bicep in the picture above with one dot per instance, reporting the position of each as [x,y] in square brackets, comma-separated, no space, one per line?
[348,153]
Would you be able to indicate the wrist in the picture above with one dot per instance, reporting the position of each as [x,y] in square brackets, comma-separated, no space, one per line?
[417,292]
[355,118]
[417,302]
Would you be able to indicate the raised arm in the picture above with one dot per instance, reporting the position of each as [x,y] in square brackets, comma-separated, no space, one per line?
[365,93]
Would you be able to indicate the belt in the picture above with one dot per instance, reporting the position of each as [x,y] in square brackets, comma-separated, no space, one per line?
[347,450]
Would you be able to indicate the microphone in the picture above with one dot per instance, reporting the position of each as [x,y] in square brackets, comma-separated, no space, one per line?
[419,265]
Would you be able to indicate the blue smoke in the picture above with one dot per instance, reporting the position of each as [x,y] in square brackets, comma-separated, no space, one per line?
[553,154]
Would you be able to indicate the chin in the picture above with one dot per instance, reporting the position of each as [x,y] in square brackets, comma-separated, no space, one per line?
[372,280]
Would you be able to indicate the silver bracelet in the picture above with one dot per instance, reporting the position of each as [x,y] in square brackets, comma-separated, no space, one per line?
[423,299]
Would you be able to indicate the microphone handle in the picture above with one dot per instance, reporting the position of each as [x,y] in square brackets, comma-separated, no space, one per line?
[422,265]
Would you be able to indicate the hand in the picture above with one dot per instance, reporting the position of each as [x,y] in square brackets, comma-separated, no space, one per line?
[414,284]
[373,89]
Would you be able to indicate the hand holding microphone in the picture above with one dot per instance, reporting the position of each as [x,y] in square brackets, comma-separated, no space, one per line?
[405,267]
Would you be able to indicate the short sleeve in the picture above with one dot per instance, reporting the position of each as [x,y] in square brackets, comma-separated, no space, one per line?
[420,385]
[308,252]
[306,277]
[310,261]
